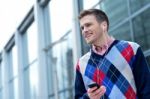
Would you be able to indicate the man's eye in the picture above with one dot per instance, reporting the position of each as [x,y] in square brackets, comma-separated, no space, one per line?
[82,28]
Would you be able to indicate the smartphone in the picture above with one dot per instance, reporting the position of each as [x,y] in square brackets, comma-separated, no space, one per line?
[93,85]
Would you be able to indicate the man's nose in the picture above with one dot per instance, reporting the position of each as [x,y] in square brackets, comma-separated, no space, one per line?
[85,30]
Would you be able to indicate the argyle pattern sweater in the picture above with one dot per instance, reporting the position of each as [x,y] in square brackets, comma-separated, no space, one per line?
[123,70]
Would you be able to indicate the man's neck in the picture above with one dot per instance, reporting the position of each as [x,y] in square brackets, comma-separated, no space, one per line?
[105,38]
[102,46]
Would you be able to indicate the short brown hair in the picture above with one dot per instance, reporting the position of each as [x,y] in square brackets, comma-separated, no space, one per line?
[99,14]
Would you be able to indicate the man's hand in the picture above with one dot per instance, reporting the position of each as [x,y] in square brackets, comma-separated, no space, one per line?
[95,93]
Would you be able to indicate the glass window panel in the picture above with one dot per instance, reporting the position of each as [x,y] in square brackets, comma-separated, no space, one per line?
[11,89]
[122,32]
[148,60]
[16,92]
[68,96]
[62,95]
[64,65]
[89,3]
[137,4]
[0,75]
[33,80]
[15,61]
[141,28]
[117,11]
[14,79]
[1,94]
[61,17]
[32,42]
[1,89]
[51,96]
[26,81]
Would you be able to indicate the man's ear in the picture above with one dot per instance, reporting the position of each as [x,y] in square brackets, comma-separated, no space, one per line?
[104,26]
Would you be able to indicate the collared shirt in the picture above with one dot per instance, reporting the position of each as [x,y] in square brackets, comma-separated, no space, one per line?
[102,49]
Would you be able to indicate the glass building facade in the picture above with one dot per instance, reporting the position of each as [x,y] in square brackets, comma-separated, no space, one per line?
[39,60]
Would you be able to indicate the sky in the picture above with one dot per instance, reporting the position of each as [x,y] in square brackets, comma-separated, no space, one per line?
[12,12]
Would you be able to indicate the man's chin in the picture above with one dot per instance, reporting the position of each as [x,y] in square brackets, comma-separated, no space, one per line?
[89,42]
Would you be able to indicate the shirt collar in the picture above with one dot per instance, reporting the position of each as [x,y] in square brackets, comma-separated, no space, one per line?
[102,49]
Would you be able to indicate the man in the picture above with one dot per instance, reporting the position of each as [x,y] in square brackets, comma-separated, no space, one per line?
[117,66]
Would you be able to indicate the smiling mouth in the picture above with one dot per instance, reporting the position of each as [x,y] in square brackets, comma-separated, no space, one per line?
[88,35]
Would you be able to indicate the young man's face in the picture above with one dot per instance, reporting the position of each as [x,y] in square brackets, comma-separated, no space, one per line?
[91,29]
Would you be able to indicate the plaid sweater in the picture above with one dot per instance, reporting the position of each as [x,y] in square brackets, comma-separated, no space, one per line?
[123,71]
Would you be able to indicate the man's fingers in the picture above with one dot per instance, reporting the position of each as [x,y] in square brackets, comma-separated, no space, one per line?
[91,91]
[97,93]
[102,90]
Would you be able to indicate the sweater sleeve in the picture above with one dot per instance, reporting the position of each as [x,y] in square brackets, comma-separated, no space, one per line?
[80,91]
[141,74]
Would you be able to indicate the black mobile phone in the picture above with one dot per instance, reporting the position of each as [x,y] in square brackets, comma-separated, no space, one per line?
[93,85]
